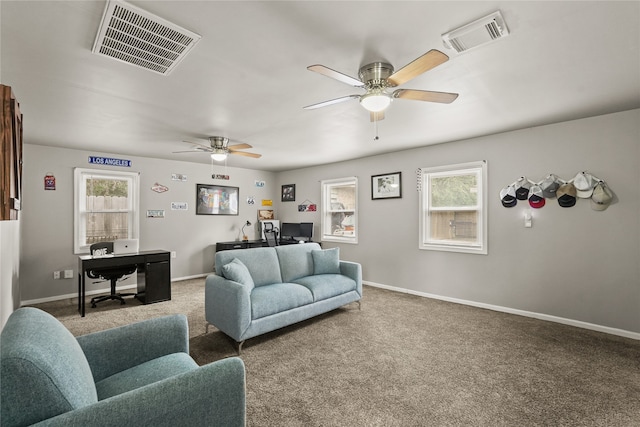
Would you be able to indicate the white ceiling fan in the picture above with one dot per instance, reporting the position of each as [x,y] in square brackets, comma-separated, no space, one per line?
[219,148]
[376,78]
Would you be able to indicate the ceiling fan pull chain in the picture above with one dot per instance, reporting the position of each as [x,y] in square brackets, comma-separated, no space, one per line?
[375,131]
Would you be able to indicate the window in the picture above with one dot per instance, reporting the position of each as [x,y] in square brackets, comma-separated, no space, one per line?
[340,210]
[105,207]
[452,208]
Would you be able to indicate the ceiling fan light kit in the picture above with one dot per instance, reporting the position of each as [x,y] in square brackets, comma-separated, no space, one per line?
[375,101]
[477,33]
[219,157]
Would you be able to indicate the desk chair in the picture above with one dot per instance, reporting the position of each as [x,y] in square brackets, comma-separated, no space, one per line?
[271,237]
[112,274]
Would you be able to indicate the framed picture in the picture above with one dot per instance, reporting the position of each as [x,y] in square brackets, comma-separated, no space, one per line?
[289,193]
[216,200]
[264,214]
[386,186]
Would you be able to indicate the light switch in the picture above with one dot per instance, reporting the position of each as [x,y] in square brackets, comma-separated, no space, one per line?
[528,220]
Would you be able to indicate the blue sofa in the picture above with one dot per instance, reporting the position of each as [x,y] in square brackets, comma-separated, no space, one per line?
[135,375]
[259,290]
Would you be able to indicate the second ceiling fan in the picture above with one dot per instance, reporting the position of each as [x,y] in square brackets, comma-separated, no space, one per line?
[376,78]
[219,148]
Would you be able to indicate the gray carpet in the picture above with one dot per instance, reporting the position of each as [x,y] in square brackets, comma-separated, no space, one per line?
[404,360]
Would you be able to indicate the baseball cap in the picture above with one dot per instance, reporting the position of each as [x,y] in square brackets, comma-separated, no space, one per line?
[584,183]
[566,195]
[536,198]
[601,197]
[522,186]
[550,185]
[508,196]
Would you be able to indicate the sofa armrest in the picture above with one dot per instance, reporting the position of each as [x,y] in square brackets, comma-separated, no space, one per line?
[115,350]
[227,305]
[213,394]
[352,270]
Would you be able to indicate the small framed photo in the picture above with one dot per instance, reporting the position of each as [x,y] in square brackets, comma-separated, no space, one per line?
[289,193]
[386,186]
[265,214]
[216,200]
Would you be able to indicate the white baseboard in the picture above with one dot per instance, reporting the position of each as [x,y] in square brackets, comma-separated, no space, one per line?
[540,316]
[101,291]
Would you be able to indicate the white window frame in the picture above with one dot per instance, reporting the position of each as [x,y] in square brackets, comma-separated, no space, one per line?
[80,175]
[480,169]
[325,224]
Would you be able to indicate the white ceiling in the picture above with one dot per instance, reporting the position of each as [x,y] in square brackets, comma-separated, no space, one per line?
[247,78]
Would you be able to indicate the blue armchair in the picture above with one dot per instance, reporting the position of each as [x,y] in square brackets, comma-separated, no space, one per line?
[139,374]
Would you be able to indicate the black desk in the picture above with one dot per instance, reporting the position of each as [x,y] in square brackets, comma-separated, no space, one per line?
[248,244]
[154,274]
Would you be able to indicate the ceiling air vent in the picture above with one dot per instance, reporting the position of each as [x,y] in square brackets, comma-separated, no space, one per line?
[132,35]
[476,33]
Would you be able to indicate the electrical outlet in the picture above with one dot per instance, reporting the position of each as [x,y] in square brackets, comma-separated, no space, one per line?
[173,254]
[56,275]
[68,274]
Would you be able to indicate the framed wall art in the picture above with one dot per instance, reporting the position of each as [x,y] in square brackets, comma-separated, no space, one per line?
[289,193]
[217,200]
[265,214]
[386,186]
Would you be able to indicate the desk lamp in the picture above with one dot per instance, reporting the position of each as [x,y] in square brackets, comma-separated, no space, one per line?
[244,236]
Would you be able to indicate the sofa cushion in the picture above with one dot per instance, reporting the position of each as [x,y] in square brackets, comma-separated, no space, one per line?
[43,369]
[326,261]
[238,272]
[271,299]
[295,260]
[262,263]
[324,286]
[146,373]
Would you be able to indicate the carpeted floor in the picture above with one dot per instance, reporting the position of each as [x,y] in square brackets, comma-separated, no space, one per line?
[405,360]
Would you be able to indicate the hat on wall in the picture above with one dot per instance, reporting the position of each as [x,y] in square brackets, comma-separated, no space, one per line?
[601,197]
[522,186]
[536,198]
[550,185]
[566,195]
[584,183]
[508,196]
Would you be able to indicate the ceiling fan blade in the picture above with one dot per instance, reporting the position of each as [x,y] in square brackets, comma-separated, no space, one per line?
[376,116]
[331,102]
[244,153]
[326,71]
[425,95]
[187,151]
[426,62]
[198,146]
[242,146]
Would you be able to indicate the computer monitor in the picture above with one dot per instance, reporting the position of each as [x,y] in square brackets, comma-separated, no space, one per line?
[306,230]
[289,230]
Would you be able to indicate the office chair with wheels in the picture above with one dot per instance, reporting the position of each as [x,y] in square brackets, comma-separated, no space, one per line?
[112,274]
[271,237]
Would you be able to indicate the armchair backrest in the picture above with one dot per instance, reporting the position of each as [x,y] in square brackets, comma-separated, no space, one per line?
[44,371]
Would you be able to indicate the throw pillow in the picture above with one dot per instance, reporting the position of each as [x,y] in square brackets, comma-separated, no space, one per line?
[238,272]
[326,261]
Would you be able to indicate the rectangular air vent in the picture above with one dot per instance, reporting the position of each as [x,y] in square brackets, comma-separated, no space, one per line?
[476,33]
[132,35]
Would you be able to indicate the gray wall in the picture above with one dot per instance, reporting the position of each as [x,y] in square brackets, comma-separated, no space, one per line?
[47,216]
[575,263]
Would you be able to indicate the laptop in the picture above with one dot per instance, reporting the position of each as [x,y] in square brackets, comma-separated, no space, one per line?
[125,246]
